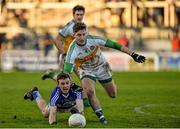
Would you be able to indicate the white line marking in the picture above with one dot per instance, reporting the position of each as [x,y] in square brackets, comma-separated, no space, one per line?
[139,110]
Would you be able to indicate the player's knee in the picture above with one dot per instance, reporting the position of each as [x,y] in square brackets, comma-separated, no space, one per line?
[113,94]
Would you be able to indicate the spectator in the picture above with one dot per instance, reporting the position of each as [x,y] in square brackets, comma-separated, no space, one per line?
[2,34]
[35,41]
[19,41]
[2,43]
[136,41]
[175,41]
[123,40]
[21,16]
[142,17]
[47,43]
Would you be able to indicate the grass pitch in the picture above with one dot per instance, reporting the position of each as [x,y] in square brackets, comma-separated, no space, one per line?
[145,99]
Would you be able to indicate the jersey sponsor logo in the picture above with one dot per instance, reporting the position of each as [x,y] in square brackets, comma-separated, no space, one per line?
[66,103]
[79,62]
[92,47]
[79,54]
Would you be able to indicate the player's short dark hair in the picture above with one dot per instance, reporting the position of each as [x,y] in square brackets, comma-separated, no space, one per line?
[62,76]
[79,26]
[78,8]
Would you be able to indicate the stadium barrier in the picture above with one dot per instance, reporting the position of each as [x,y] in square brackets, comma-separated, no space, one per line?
[35,60]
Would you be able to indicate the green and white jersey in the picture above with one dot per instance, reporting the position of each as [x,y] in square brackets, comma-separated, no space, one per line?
[67,33]
[67,30]
[87,56]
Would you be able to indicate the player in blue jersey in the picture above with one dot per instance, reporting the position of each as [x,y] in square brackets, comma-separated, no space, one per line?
[85,52]
[63,98]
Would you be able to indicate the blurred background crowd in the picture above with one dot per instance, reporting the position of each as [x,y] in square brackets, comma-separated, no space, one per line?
[142,25]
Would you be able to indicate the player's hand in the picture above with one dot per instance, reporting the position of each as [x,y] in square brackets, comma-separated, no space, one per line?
[76,88]
[74,110]
[138,58]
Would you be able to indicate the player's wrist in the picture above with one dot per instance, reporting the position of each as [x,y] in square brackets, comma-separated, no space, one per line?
[134,55]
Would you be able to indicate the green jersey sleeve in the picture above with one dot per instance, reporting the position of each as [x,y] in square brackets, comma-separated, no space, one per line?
[67,67]
[112,44]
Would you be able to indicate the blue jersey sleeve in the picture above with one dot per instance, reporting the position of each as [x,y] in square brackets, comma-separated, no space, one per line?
[55,96]
[79,95]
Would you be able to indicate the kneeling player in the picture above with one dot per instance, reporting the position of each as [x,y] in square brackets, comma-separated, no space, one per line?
[63,98]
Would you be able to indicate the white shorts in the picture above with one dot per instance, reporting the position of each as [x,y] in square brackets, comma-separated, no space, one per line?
[102,73]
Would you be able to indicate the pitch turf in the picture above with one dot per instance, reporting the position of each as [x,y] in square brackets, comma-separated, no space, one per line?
[145,99]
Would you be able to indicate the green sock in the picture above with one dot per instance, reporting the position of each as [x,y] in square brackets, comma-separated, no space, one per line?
[86,102]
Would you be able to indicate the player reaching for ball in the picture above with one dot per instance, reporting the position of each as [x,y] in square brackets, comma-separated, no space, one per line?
[63,98]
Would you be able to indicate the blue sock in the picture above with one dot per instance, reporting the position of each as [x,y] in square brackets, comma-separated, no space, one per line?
[36,95]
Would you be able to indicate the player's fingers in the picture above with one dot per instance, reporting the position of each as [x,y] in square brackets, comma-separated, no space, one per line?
[142,59]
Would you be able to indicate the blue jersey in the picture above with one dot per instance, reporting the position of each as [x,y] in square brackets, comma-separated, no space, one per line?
[63,101]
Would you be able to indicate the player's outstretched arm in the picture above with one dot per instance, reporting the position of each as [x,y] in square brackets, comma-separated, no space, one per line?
[138,58]
[52,115]
[80,106]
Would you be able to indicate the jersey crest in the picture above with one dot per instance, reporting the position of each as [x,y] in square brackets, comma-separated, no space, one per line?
[86,58]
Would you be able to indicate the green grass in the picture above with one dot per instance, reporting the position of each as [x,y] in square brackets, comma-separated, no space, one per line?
[145,99]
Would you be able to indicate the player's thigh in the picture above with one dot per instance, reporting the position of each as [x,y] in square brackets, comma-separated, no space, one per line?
[76,71]
[110,88]
[103,73]
[104,76]
[88,85]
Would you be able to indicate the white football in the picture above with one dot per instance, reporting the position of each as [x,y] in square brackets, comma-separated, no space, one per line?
[77,120]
